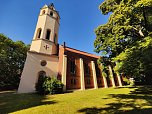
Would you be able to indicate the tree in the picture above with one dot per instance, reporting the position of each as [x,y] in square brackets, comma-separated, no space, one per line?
[12,59]
[126,37]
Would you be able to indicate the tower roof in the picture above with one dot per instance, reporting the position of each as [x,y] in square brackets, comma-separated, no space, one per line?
[51,6]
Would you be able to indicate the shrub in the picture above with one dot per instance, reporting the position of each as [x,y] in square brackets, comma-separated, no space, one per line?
[47,85]
[56,85]
[126,81]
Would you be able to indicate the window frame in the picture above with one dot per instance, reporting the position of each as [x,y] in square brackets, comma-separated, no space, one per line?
[48,34]
[38,33]
[51,13]
[72,66]
[73,81]
[86,68]
[88,82]
[43,12]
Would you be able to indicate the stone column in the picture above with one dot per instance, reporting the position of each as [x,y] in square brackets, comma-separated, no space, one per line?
[119,79]
[94,75]
[111,76]
[82,74]
[64,71]
[104,80]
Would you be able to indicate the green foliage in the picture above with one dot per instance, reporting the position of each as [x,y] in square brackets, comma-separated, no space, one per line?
[129,21]
[47,85]
[104,74]
[136,61]
[104,61]
[126,37]
[12,58]
[126,81]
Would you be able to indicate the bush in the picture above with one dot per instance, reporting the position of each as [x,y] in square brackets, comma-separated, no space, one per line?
[47,85]
[129,81]
[126,81]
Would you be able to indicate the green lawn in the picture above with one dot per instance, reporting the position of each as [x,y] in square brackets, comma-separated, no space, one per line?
[126,100]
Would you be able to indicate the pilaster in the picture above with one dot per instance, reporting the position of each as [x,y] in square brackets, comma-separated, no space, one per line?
[64,71]
[119,79]
[94,75]
[82,74]
[104,80]
[111,76]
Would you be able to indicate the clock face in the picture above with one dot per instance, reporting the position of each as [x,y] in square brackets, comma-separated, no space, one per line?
[43,62]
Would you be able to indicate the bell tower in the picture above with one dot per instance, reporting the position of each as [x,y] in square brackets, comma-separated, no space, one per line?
[42,59]
[45,38]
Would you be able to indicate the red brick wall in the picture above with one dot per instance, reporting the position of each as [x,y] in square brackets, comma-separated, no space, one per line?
[61,53]
[88,77]
[71,76]
[116,80]
[76,76]
[75,55]
[100,81]
[109,82]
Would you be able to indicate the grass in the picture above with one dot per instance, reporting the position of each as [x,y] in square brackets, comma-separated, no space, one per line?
[126,100]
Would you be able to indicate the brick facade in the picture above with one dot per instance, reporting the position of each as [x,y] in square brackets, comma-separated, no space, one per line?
[73,77]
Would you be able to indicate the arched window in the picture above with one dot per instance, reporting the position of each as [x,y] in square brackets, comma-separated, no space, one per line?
[38,35]
[55,39]
[51,13]
[43,12]
[48,32]
[41,75]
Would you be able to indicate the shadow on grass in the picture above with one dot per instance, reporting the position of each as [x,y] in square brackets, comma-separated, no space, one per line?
[95,110]
[138,101]
[11,101]
[128,86]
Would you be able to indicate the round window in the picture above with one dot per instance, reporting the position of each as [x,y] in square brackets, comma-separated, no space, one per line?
[43,63]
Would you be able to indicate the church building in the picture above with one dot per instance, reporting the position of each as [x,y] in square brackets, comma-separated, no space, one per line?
[76,69]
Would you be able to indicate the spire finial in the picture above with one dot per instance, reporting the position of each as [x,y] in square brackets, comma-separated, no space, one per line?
[64,44]
[51,5]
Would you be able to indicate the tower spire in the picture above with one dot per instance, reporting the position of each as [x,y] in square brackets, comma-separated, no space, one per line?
[51,5]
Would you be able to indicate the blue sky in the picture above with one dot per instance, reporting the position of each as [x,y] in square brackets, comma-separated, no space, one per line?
[79,18]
